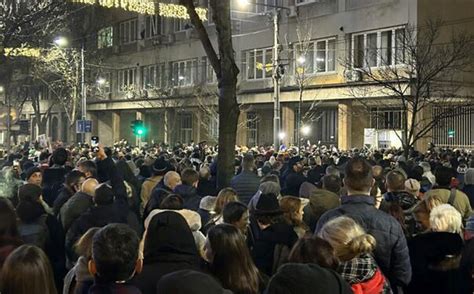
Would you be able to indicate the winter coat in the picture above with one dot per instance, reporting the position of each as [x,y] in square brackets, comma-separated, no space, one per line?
[100,287]
[147,187]
[263,251]
[320,201]
[189,195]
[461,201]
[246,185]
[53,179]
[7,245]
[78,280]
[159,193]
[169,247]
[74,208]
[206,188]
[469,191]
[435,259]
[391,252]
[62,198]
[293,183]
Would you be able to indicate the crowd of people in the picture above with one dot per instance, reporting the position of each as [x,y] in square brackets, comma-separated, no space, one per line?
[151,220]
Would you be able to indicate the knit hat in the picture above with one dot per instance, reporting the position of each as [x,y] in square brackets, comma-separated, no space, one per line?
[305,278]
[208,203]
[161,165]
[29,172]
[294,160]
[194,283]
[267,205]
[412,186]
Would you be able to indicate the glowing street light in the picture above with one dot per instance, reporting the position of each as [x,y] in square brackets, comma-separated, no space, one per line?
[101,81]
[2,89]
[301,59]
[281,135]
[244,2]
[61,42]
[305,130]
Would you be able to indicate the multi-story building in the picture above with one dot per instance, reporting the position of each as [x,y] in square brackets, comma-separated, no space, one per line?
[156,70]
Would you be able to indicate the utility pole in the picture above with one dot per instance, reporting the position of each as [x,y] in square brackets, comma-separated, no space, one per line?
[83,96]
[9,123]
[276,81]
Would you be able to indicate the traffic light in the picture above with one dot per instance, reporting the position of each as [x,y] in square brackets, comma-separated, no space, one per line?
[138,128]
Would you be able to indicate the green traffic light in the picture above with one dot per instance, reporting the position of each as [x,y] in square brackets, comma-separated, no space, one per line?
[140,131]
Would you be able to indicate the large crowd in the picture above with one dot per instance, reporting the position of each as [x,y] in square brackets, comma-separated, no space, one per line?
[123,219]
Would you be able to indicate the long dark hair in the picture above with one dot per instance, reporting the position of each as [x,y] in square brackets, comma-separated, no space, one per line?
[27,271]
[231,262]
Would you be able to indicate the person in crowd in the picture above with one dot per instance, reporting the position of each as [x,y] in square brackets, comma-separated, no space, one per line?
[206,187]
[187,190]
[164,188]
[132,186]
[206,208]
[225,196]
[54,176]
[9,235]
[467,258]
[159,168]
[72,185]
[307,279]
[322,200]
[115,260]
[79,203]
[435,256]
[456,198]
[391,251]
[468,188]
[276,237]
[230,261]
[293,211]
[111,206]
[168,247]
[295,177]
[247,182]
[353,247]
[396,194]
[377,172]
[428,174]
[237,214]
[413,187]
[88,168]
[314,250]
[78,280]
[27,270]
[34,176]
[196,282]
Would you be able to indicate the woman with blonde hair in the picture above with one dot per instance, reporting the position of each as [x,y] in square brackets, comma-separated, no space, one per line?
[225,196]
[353,247]
[292,208]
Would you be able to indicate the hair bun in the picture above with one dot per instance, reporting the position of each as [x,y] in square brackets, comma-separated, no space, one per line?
[362,244]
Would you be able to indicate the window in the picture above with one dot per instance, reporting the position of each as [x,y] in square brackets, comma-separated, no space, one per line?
[252,132]
[154,76]
[153,26]
[383,118]
[128,31]
[105,38]
[185,127]
[185,73]
[214,127]
[381,48]
[301,2]
[319,56]
[208,75]
[127,79]
[178,24]
[259,63]
[105,82]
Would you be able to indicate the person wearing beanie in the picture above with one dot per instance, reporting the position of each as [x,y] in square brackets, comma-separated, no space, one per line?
[159,168]
[34,176]
[307,279]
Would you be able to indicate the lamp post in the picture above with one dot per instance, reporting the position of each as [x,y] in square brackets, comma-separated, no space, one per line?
[277,73]
[9,110]
[301,79]
[63,42]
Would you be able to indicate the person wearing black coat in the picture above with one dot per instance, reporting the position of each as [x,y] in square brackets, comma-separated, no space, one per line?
[187,190]
[169,247]
[391,252]
[295,177]
[53,177]
[111,206]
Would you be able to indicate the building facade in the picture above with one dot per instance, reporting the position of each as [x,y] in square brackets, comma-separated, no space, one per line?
[155,69]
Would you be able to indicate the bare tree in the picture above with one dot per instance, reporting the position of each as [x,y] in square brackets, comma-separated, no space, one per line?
[226,71]
[422,70]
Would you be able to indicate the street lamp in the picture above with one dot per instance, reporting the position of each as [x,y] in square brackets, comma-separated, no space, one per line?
[101,81]
[2,89]
[301,60]
[277,72]
[305,130]
[63,42]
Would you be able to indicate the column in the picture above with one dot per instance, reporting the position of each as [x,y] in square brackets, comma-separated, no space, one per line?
[360,120]
[115,126]
[197,125]
[288,125]
[344,124]
[241,139]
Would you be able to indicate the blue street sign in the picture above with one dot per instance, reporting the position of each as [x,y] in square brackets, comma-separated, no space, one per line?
[83,126]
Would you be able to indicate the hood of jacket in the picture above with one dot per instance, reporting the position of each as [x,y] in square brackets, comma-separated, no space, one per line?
[405,199]
[185,191]
[192,218]
[168,237]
